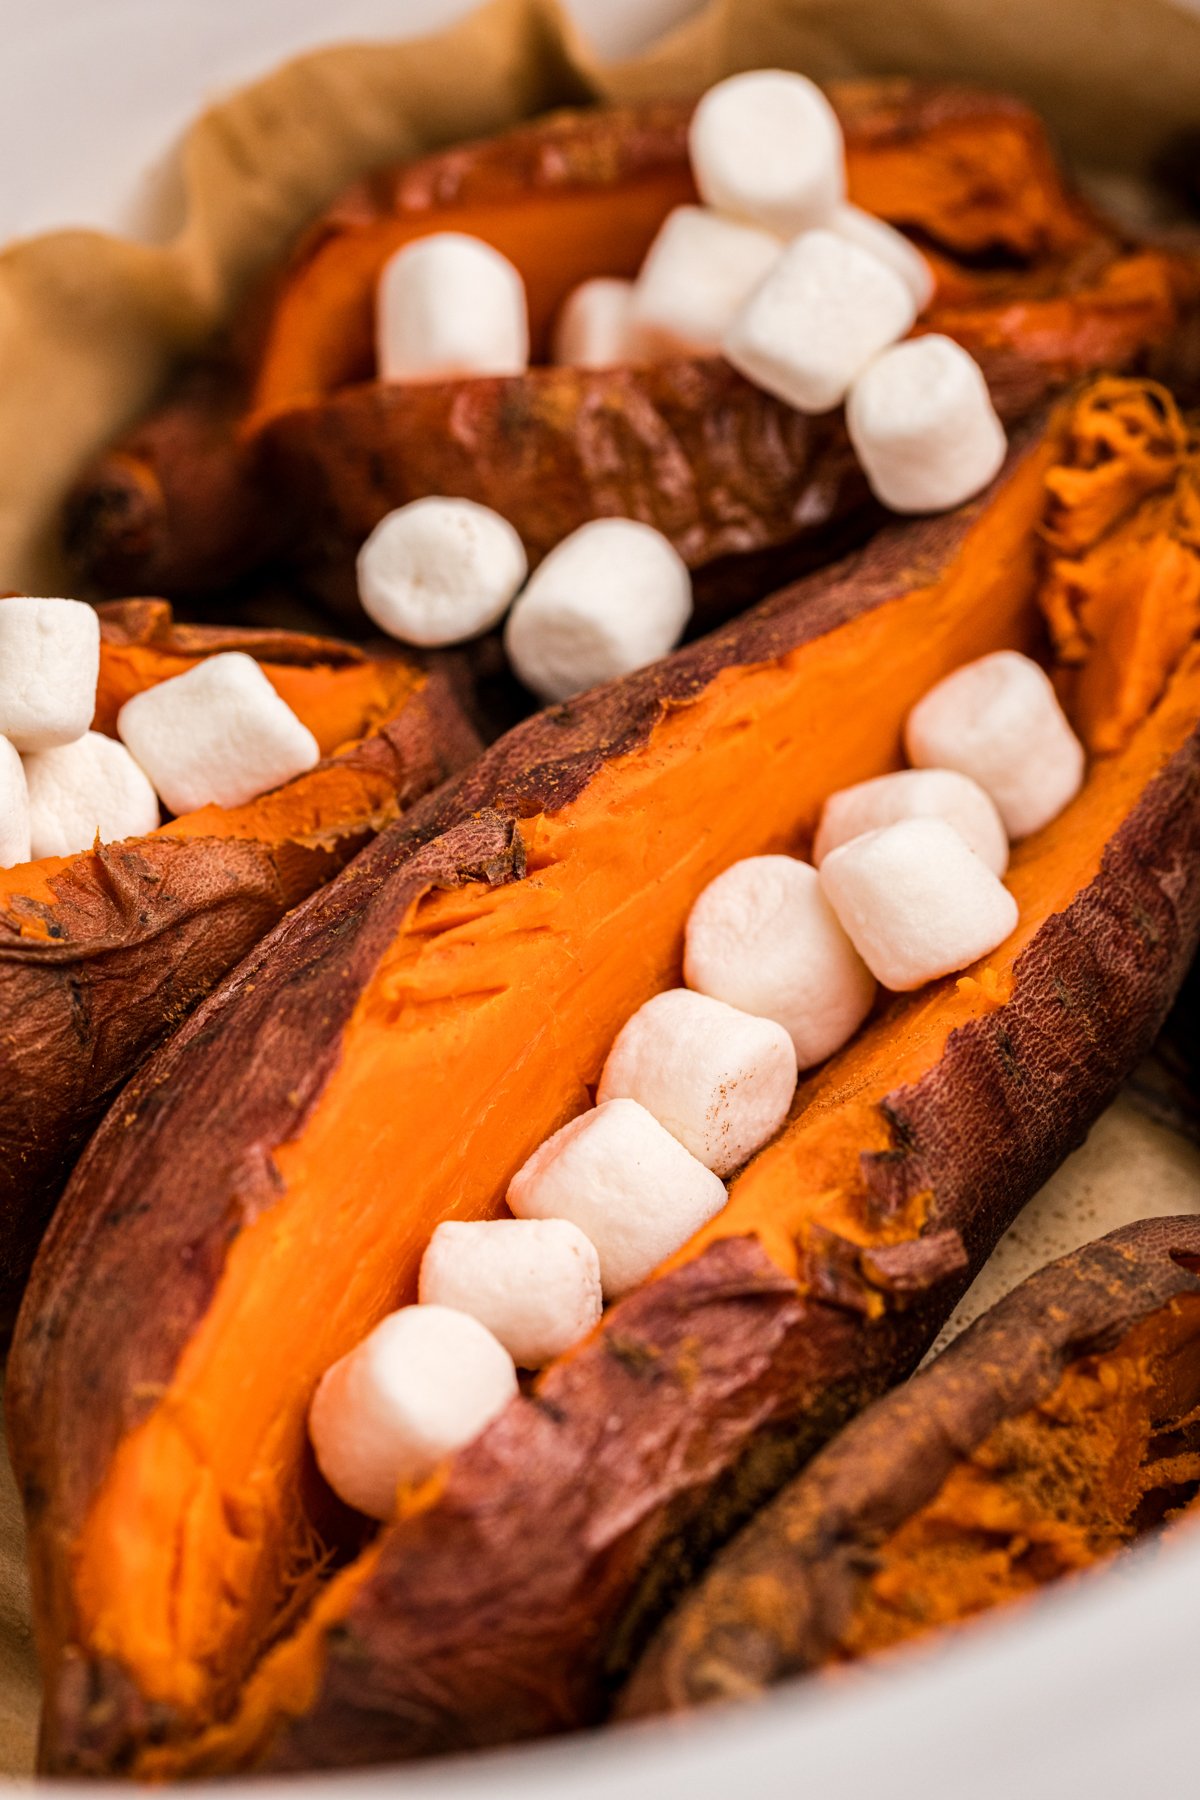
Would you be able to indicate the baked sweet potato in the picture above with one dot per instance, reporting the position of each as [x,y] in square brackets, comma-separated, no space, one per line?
[1028,279]
[1056,1431]
[396,1049]
[102,954]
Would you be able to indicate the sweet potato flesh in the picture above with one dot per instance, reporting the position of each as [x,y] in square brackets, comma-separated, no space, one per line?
[1112,1452]
[198,1544]
[1119,623]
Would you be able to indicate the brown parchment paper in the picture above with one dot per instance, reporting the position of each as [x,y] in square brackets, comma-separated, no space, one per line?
[90,327]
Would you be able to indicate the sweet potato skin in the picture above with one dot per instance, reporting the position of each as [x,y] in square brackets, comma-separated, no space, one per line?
[129,936]
[493,1614]
[688,446]
[777,1600]
[176,506]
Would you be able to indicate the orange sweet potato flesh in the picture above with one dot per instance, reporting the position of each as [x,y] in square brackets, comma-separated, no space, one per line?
[394,1051]
[1055,1432]
[102,954]
[1031,281]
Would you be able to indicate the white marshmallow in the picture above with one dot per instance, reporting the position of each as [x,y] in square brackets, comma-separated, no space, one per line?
[915,794]
[49,667]
[763,937]
[218,733]
[449,304]
[699,271]
[825,309]
[423,1384]
[890,246]
[767,146]
[720,1080]
[625,1182]
[998,720]
[14,808]
[610,598]
[916,902]
[594,329]
[535,1283]
[923,426]
[91,788]
[438,571]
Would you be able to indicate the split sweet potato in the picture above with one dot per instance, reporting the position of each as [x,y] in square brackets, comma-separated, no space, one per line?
[392,1053]
[1063,1426]
[1028,279]
[102,954]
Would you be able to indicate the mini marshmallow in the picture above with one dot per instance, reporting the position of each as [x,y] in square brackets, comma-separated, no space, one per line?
[535,1283]
[14,808]
[594,328]
[890,246]
[423,1384]
[49,667]
[915,794]
[610,598]
[767,146]
[998,720]
[218,733]
[449,304]
[699,271]
[626,1183]
[916,902]
[923,426]
[719,1080]
[438,571]
[826,308]
[91,788]
[763,937]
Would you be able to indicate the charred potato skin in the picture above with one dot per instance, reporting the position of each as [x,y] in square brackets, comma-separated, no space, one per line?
[777,1598]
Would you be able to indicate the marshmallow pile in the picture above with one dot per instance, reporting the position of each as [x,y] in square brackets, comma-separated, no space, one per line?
[808,296]
[738,275]
[217,733]
[804,293]
[781,961]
